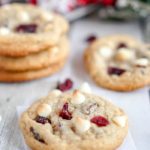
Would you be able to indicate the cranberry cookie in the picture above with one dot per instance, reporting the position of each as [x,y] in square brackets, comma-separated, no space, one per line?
[26,29]
[74,120]
[38,60]
[118,63]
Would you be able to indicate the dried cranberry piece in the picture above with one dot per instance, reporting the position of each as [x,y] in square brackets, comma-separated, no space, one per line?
[67,85]
[100,121]
[26,28]
[36,135]
[116,71]
[91,38]
[122,45]
[42,120]
[65,114]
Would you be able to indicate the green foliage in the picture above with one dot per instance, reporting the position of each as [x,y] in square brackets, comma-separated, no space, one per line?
[145,1]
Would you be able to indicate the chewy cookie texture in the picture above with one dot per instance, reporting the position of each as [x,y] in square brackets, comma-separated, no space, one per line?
[74,120]
[31,41]
[118,62]
[35,61]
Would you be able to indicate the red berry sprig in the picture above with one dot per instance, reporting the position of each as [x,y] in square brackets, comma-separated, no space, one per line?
[34,2]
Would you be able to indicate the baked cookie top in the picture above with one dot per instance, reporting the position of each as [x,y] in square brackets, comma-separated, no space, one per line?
[74,120]
[118,62]
[26,28]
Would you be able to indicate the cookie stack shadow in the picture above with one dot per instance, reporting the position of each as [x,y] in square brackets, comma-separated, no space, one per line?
[26,54]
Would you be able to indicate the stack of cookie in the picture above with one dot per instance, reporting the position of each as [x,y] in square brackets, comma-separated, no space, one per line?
[33,42]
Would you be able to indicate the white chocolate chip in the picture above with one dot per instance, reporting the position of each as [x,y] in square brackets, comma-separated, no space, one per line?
[78,98]
[47,16]
[81,125]
[85,88]
[24,17]
[124,54]
[56,92]
[120,120]
[142,62]
[105,52]
[4,31]
[44,110]
[54,51]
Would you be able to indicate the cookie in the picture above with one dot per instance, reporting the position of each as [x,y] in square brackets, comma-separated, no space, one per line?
[74,120]
[6,76]
[26,29]
[38,60]
[118,62]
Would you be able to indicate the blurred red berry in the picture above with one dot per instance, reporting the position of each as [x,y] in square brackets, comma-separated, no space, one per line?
[34,2]
[108,2]
[103,2]
[83,2]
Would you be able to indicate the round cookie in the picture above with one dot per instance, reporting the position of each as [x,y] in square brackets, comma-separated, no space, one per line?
[118,63]
[74,120]
[6,76]
[26,29]
[37,60]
